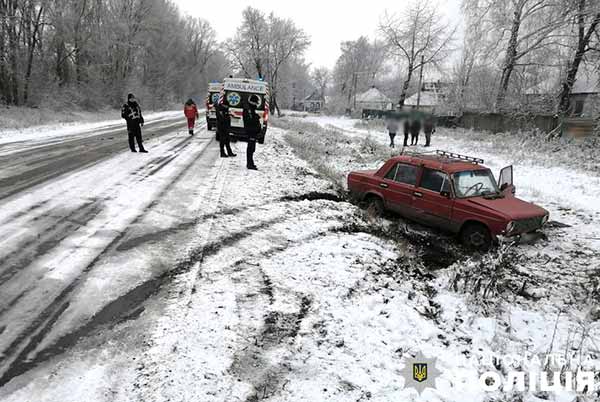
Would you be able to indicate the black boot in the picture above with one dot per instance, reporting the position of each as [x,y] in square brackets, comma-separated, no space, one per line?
[223,155]
[191,131]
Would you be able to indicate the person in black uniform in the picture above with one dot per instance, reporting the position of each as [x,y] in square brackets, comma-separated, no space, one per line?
[132,113]
[253,128]
[406,131]
[415,129]
[223,126]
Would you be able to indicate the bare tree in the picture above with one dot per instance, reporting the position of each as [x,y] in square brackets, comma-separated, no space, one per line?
[95,50]
[358,67]
[419,37]
[263,45]
[587,20]
[528,26]
[285,41]
[320,78]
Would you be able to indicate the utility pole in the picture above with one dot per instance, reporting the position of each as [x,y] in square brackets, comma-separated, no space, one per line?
[354,85]
[420,82]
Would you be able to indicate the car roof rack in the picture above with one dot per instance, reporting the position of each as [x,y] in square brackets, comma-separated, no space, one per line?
[452,155]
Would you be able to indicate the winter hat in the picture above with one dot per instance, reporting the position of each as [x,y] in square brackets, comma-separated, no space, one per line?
[130,96]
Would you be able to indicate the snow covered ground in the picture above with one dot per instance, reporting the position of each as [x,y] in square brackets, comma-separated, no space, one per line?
[182,276]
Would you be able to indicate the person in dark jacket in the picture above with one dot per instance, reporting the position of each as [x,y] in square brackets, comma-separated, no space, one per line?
[415,128]
[406,131]
[132,113]
[253,128]
[223,126]
[428,129]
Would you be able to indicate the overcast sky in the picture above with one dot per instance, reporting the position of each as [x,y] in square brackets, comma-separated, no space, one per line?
[328,22]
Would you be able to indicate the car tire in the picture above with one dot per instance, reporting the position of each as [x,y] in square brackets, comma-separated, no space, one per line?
[375,206]
[476,236]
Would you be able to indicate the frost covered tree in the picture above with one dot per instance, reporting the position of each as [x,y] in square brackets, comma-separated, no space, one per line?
[586,21]
[263,45]
[417,37]
[320,77]
[92,52]
[359,66]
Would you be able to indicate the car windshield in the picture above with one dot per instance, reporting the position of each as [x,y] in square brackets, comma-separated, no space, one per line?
[473,183]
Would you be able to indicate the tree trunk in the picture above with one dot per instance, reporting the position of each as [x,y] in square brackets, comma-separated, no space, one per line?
[582,48]
[3,72]
[13,53]
[32,46]
[406,85]
[511,56]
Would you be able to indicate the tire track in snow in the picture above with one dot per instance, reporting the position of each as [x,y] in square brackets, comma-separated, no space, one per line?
[54,232]
[49,234]
[15,357]
[72,159]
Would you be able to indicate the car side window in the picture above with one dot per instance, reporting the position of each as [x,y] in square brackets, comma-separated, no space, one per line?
[391,173]
[406,174]
[435,180]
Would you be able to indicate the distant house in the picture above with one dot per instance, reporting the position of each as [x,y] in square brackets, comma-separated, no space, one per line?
[373,99]
[431,100]
[584,100]
[585,96]
[313,102]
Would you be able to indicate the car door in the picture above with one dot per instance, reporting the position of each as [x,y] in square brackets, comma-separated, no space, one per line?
[505,181]
[398,185]
[432,200]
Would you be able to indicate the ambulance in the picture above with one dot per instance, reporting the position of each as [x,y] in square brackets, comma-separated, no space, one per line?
[235,94]
[214,91]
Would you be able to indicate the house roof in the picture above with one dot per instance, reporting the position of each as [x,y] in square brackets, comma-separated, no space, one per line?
[586,83]
[373,95]
[314,97]
[427,99]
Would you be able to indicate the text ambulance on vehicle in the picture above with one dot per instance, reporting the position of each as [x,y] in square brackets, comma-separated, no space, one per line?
[236,92]
[214,91]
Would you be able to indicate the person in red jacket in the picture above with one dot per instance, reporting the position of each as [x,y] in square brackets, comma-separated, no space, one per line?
[191,112]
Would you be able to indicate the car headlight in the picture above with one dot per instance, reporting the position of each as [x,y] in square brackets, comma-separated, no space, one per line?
[544,219]
[510,226]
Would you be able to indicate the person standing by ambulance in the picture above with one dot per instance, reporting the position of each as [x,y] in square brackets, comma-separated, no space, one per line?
[253,127]
[223,127]
[132,113]
[190,110]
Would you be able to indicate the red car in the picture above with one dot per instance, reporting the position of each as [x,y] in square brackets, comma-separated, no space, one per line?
[453,192]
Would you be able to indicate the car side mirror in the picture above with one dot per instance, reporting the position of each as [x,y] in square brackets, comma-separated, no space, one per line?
[445,194]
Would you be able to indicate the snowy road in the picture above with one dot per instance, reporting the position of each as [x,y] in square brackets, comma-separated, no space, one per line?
[181,276]
[75,212]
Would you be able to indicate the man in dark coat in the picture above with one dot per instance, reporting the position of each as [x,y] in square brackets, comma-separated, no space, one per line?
[415,128]
[223,126]
[132,113]
[428,129]
[253,127]
[406,131]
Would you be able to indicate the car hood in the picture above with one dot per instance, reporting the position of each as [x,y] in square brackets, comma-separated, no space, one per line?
[512,207]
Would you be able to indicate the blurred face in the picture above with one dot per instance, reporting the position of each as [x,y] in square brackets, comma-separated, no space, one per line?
[133,99]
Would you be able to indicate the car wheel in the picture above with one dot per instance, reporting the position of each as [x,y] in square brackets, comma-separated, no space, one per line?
[476,236]
[375,207]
